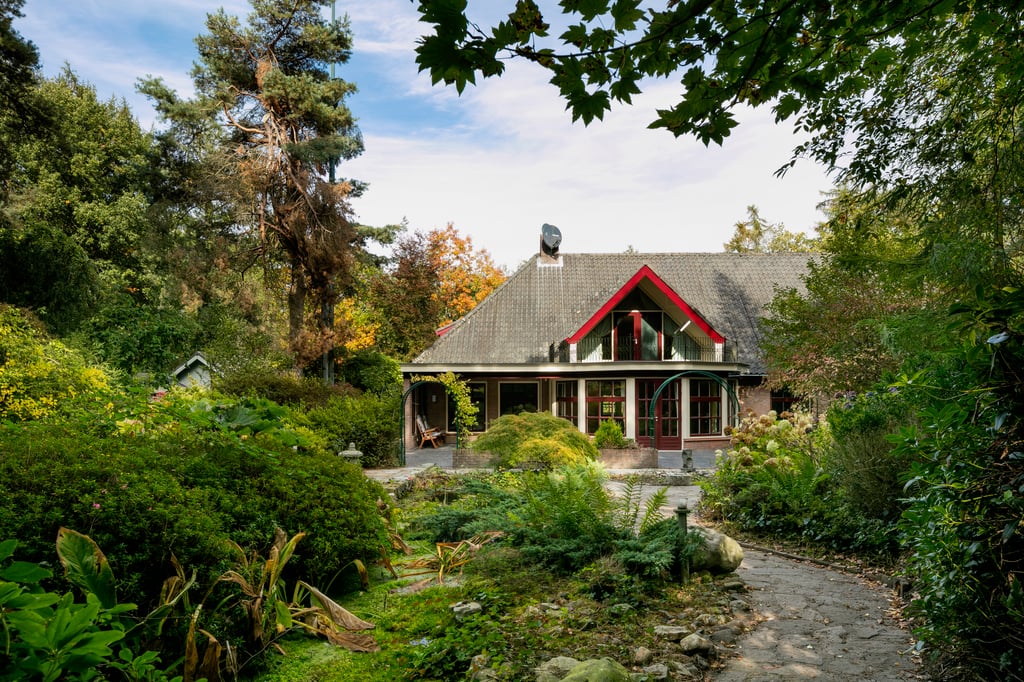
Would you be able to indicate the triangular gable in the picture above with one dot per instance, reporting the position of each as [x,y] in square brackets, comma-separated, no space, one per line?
[646,273]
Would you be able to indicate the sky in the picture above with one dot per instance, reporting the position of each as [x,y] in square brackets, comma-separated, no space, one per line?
[498,161]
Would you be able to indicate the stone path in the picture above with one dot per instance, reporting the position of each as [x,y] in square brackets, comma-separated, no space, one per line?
[818,624]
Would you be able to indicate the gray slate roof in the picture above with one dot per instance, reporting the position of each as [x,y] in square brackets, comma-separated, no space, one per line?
[538,306]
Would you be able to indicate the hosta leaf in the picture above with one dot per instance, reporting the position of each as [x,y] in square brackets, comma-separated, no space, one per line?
[86,566]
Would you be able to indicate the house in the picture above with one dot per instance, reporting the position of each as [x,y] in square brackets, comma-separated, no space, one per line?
[193,372]
[666,345]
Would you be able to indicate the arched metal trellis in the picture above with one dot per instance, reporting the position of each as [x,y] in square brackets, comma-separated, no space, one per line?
[401,416]
[690,372]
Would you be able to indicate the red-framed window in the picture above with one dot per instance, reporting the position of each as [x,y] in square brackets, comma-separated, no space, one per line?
[606,399]
[705,408]
[567,404]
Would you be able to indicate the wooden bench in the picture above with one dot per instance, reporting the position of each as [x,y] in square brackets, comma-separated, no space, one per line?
[428,433]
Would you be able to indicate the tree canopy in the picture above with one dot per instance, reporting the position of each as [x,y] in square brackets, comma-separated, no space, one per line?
[757,235]
[834,69]
[269,83]
[19,112]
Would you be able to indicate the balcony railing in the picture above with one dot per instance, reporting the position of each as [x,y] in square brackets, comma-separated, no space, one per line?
[600,350]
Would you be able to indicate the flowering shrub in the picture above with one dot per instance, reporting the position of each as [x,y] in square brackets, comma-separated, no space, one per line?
[770,466]
[39,376]
[775,478]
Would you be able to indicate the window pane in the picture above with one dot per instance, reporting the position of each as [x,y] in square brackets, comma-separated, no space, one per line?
[517,397]
[477,396]
[566,403]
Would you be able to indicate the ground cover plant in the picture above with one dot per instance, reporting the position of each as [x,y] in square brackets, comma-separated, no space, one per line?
[534,605]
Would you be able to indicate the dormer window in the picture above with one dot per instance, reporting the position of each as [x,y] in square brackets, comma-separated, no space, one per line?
[645,321]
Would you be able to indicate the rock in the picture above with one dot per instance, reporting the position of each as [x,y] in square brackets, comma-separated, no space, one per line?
[598,670]
[555,669]
[683,671]
[717,552]
[732,583]
[738,606]
[695,644]
[725,635]
[619,610]
[709,620]
[671,632]
[658,671]
[465,609]
[643,655]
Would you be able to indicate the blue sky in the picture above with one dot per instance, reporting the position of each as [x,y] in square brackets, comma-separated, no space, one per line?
[498,161]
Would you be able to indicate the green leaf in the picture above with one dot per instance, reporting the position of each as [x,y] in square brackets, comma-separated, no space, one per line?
[86,566]
[588,9]
[24,572]
[626,14]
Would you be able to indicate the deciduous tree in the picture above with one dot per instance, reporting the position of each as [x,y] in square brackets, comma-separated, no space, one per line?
[465,275]
[433,279]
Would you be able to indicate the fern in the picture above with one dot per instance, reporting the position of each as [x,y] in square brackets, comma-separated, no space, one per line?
[652,510]
[627,508]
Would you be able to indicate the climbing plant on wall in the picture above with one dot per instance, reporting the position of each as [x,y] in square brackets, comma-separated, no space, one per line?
[458,391]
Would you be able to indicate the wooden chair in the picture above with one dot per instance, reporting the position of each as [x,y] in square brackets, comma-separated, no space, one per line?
[427,432]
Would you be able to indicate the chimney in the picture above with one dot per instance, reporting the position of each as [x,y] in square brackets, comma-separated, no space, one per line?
[550,240]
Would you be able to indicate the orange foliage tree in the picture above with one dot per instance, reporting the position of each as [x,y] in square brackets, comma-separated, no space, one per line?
[465,276]
[432,279]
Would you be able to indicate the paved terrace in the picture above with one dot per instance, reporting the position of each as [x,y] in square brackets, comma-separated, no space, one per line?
[420,458]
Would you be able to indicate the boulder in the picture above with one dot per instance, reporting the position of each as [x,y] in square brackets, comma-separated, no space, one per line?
[716,553]
[695,644]
[555,669]
[598,670]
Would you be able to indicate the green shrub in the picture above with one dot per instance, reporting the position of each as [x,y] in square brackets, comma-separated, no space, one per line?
[609,435]
[860,455]
[963,520]
[185,481]
[372,371]
[138,333]
[535,437]
[368,420]
[283,388]
[564,519]
[659,552]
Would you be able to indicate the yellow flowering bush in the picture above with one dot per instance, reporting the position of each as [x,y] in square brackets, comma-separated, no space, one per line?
[39,375]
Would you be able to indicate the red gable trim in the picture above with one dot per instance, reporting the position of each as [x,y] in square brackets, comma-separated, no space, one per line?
[645,273]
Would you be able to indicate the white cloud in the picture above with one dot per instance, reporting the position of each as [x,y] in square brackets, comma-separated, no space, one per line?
[518,162]
[498,161]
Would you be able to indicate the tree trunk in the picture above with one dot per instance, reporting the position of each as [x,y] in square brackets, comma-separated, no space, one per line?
[296,304]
